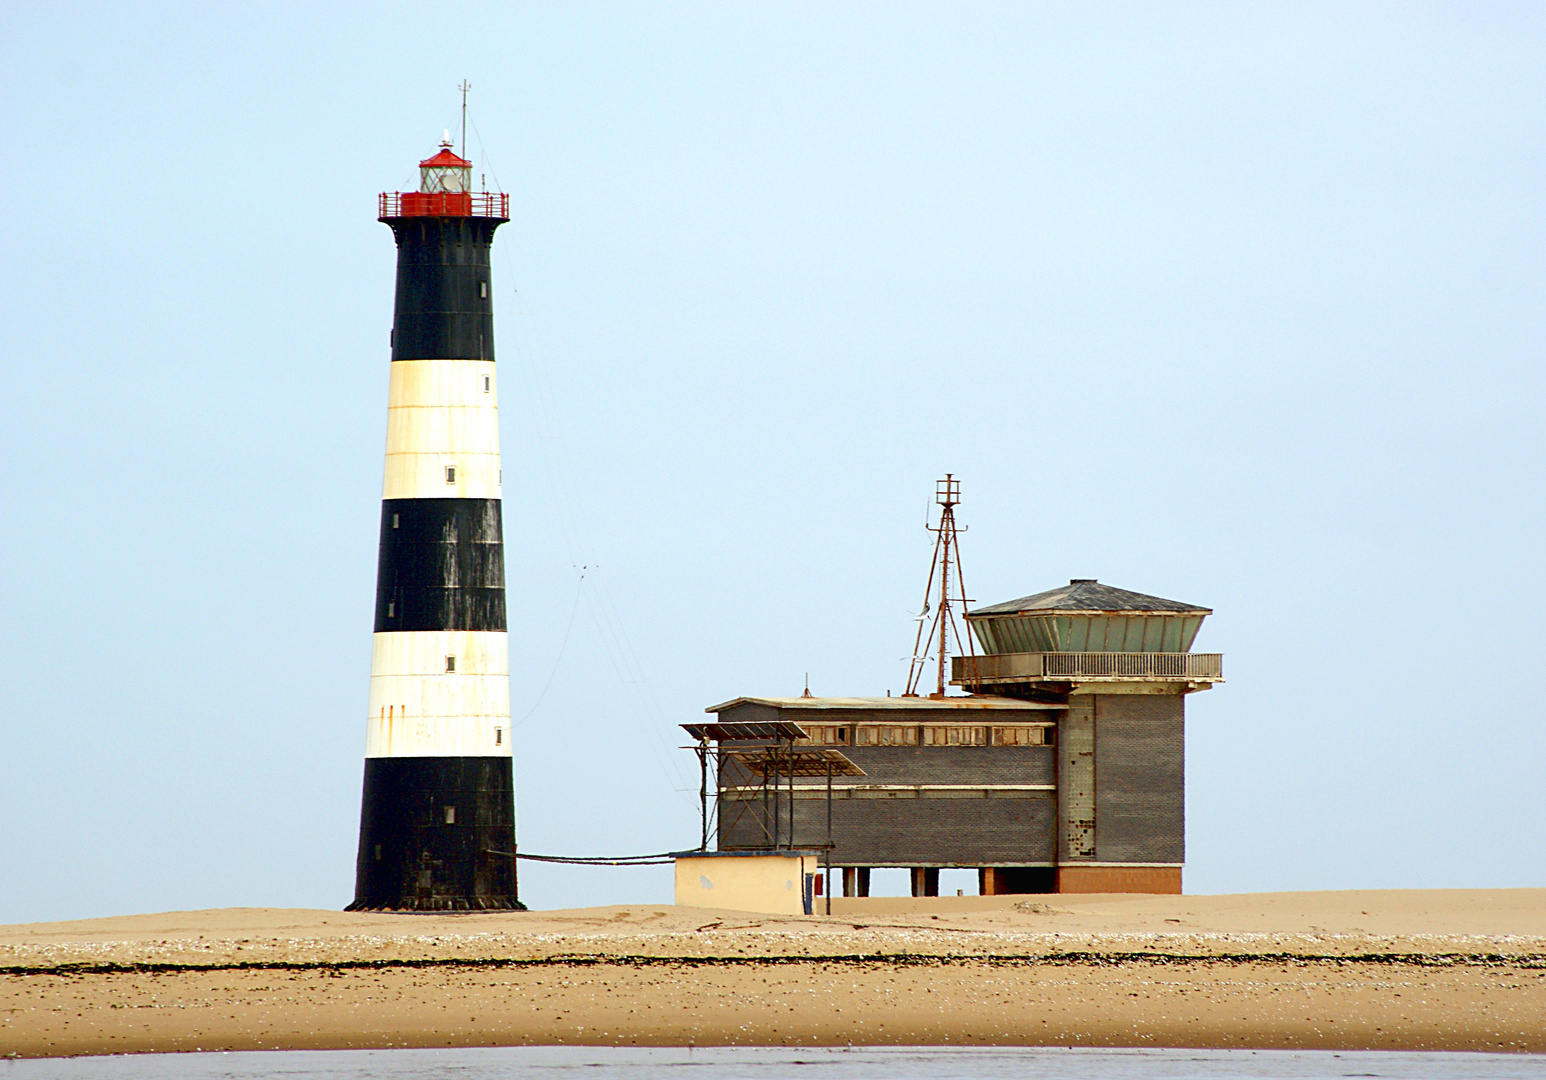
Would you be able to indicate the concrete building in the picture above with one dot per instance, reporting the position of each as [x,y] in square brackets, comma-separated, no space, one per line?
[1063,769]
[779,882]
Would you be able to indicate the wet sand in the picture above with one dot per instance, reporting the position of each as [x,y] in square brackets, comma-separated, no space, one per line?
[1450,970]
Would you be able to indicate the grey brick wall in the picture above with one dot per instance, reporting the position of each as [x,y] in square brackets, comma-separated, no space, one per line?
[952,764]
[933,765]
[1140,801]
[917,832]
[748,713]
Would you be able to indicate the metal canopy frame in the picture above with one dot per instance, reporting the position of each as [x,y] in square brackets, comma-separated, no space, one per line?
[795,762]
[771,757]
[747,732]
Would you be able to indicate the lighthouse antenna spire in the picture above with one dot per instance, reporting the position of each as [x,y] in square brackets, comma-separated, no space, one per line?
[466,86]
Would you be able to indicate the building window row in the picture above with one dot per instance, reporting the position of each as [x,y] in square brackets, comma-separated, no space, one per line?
[929,734]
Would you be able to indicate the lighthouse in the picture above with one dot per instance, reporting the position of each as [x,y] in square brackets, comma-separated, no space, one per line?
[437,816]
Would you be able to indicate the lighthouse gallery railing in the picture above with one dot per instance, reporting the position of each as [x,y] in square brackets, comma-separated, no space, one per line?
[995,667]
[489,204]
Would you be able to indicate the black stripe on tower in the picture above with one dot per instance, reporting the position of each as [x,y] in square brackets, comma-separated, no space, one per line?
[441,565]
[437,834]
[445,295]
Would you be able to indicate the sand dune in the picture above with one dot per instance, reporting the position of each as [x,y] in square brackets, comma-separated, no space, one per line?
[1453,969]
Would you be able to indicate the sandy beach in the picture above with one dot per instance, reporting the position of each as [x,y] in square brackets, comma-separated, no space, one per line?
[1421,969]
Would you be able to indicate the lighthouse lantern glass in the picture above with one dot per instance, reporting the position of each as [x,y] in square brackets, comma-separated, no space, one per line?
[436,178]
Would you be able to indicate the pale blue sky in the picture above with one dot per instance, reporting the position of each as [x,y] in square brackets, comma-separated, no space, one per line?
[1241,305]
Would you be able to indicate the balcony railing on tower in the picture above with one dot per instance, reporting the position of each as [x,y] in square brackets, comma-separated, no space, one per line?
[489,204]
[1018,667]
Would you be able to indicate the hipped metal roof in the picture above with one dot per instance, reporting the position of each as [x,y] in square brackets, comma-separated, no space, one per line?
[1088,596]
[444,158]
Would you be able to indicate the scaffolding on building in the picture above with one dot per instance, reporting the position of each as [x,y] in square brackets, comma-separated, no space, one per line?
[757,772]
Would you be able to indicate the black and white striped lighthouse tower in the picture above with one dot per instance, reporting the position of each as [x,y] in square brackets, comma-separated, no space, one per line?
[437,820]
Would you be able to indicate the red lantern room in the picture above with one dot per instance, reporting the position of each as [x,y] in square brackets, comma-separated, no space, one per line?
[445,190]
[445,171]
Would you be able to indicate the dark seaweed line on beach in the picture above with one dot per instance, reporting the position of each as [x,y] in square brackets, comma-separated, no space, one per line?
[1062,959]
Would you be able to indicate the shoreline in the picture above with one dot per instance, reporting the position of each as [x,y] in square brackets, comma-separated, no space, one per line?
[1273,971]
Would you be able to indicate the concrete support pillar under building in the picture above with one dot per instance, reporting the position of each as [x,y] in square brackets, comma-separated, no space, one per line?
[1015,880]
[925,881]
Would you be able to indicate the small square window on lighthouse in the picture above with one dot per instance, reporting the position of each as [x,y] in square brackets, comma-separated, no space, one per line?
[488,383]
[450,474]
[450,815]
[483,290]
[450,663]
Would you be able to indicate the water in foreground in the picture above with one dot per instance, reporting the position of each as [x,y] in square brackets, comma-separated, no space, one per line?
[756,1063]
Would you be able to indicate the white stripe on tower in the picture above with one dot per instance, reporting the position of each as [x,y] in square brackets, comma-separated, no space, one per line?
[418,708]
[442,431]
[441,693]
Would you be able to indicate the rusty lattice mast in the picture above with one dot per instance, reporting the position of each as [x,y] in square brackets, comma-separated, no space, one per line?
[933,638]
